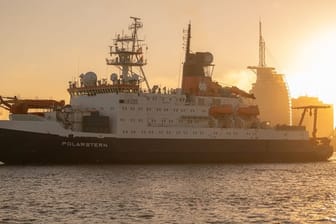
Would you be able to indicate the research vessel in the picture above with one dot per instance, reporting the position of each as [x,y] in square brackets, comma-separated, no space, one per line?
[120,121]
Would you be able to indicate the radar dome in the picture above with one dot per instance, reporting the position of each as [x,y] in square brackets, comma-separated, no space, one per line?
[207,57]
[114,77]
[89,79]
[204,58]
[135,77]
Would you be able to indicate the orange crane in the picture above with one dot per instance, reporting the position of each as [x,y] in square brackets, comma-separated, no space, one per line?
[21,106]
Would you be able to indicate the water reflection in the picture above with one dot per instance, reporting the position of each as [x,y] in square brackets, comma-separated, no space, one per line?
[216,193]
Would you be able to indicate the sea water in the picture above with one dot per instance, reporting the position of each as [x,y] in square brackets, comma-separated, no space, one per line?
[185,193]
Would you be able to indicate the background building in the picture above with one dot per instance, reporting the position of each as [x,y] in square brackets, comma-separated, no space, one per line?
[270,90]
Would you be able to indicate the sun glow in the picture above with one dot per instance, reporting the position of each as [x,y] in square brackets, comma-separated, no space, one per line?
[314,71]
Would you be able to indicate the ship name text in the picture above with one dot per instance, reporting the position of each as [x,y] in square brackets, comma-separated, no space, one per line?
[84,144]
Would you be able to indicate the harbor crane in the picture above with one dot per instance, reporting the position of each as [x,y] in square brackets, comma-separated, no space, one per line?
[311,108]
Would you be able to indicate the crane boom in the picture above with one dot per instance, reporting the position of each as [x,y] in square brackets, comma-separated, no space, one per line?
[311,108]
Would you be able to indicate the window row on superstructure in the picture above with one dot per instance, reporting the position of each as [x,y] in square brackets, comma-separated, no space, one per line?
[208,133]
[198,122]
[165,109]
[157,98]
[163,132]
[185,133]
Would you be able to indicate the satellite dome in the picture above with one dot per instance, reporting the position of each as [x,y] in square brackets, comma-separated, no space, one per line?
[135,77]
[204,58]
[207,57]
[89,79]
[114,77]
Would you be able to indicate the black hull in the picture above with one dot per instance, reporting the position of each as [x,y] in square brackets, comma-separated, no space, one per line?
[18,147]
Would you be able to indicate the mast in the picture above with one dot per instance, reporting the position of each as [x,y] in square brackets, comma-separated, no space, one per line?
[187,53]
[126,53]
[262,59]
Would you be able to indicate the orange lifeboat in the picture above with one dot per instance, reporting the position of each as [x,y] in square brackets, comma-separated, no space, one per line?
[248,111]
[221,110]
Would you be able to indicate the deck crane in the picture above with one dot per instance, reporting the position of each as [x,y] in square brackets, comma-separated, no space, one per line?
[21,106]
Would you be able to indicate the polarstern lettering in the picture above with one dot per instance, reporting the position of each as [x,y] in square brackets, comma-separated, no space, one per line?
[84,144]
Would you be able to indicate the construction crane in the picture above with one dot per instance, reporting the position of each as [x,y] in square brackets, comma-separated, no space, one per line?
[311,108]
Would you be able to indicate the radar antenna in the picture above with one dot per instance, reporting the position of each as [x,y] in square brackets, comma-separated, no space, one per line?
[127,52]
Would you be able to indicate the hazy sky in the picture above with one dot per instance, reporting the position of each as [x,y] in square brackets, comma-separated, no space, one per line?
[45,44]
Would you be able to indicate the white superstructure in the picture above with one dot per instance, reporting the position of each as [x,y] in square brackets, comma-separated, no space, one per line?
[130,111]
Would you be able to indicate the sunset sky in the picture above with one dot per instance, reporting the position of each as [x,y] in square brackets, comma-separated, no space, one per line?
[44,44]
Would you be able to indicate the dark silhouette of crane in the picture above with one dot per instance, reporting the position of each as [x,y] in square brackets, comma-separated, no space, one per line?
[311,108]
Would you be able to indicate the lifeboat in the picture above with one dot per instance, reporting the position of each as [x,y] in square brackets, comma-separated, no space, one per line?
[248,111]
[220,110]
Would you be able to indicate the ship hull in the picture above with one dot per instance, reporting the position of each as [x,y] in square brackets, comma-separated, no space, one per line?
[20,147]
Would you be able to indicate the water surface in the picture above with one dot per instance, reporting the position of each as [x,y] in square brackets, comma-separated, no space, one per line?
[207,193]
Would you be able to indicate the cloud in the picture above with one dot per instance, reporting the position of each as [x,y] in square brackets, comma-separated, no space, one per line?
[241,78]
